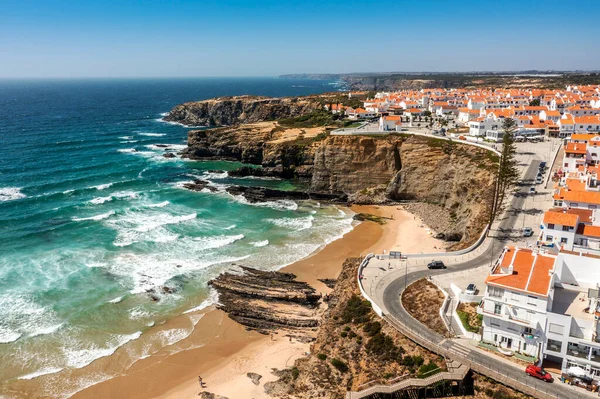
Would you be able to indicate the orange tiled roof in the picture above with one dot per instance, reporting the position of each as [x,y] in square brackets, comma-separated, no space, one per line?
[583,136]
[586,197]
[575,184]
[585,215]
[588,230]
[531,272]
[561,218]
[576,148]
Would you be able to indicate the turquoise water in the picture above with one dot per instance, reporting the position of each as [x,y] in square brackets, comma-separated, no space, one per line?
[93,219]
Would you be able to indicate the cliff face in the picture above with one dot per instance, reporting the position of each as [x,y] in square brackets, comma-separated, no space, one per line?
[227,111]
[453,179]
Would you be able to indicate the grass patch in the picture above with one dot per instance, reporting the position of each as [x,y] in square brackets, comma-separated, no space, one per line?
[314,119]
[322,356]
[428,370]
[467,313]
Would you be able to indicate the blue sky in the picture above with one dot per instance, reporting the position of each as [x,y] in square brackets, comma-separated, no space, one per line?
[48,38]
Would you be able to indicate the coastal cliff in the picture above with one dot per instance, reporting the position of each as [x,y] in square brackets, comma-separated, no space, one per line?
[452,179]
[227,111]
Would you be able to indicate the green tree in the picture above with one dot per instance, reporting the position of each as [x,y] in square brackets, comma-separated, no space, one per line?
[535,102]
[508,170]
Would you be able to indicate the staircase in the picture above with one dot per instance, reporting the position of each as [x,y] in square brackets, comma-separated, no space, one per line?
[456,372]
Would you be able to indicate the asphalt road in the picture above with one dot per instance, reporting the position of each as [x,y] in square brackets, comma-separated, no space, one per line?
[391,299]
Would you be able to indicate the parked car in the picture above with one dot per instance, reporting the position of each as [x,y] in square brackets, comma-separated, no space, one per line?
[532,190]
[538,372]
[527,232]
[539,180]
[471,289]
[436,264]
[542,164]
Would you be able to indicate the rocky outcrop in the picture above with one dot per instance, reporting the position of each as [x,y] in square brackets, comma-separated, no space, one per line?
[262,194]
[268,301]
[227,111]
[199,185]
[455,178]
[352,335]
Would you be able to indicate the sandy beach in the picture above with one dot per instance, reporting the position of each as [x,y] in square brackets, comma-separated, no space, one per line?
[223,351]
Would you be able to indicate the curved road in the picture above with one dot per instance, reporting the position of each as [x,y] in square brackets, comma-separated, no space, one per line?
[390,291]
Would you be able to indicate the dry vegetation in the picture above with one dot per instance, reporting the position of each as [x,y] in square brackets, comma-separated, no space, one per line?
[423,300]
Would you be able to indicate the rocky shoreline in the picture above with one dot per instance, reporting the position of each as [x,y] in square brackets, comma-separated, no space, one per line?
[269,302]
[453,180]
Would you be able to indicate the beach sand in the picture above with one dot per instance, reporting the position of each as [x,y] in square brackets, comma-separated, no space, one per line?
[224,351]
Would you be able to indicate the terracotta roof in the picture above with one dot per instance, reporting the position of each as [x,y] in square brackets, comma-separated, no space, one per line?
[575,184]
[586,197]
[532,272]
[575,148]
[561,218]
[588,230]
[392,118]
[585,215]
[583,136]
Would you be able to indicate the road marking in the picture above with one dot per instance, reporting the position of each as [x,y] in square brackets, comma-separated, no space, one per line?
[461,350]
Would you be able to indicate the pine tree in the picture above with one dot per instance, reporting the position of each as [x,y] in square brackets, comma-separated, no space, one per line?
[508,169]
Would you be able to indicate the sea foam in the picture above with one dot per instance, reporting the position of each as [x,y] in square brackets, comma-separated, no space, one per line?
[96,217]
[152,134]
[10,194]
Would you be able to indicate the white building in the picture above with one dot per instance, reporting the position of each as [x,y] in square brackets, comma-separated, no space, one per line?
[515,303]
[545,306]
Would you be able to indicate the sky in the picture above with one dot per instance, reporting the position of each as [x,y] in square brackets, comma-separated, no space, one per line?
[105,38]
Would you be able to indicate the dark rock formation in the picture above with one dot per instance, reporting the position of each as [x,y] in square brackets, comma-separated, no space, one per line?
[261,194]
[199,185]
[209,395]
[254,377]
[227,111]
[266,301]
[169,155]
[329,282]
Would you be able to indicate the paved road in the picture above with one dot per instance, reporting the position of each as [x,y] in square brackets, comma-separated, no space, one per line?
[480,362]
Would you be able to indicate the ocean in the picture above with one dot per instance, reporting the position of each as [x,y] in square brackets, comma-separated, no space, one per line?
[99,242]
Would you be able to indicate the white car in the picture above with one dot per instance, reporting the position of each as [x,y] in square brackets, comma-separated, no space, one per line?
[471,289]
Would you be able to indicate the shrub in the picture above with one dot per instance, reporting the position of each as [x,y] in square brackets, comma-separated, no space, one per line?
[295,372]
[352,334]
[338,364]
[356,310]
[347,328]
[412,361]
[372,328]
[383,346]
[343,334]
[321,356]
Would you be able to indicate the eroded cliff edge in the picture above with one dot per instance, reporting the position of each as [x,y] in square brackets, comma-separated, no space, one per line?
[454,179]
[225,111]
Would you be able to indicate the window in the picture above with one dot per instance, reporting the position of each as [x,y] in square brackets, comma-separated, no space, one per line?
[574,204]
[551,225]
[554,345]
[531,300]
[549,238]
[556,328]
[564,240]
[566,228]
[592,206]
[497,308]
[528,330]
[495,291]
